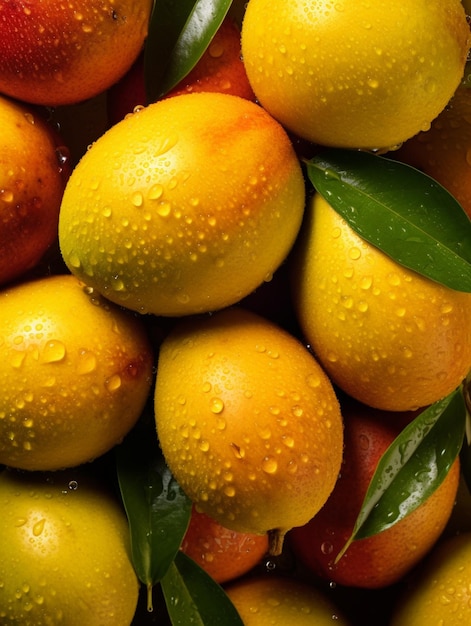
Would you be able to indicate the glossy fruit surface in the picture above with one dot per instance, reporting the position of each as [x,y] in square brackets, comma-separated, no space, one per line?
[439,593]
[275,601]
[248,422]
[384,558]
[64,554]
[60,53]
[184,207]
[387,336]
[224,554]
[75,373]
[444,151]
[32,181]
[352,74]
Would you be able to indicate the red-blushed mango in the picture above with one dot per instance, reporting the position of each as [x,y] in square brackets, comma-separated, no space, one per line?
[57,53]
[223,553]
[384,558]
[33,174]
[184,207]
[220,69]
[248,422]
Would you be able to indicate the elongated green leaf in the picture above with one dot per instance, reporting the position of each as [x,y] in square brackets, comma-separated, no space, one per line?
[413,466]
[179,33]
[157,509]
[402,211]
[193,597]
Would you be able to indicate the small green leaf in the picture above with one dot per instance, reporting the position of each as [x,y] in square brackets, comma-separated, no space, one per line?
[413,467]
[179,33]
[157,509]
[193,597]
[405,213]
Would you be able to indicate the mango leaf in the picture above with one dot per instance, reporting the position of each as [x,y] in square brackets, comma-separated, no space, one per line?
[193,597]
[413,467]
[179,33]
[405,213]
[157,509]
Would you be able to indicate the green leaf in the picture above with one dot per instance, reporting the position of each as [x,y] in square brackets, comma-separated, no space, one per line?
[179,33]
[157,509]
[405,213]
[193,597]
[413,467]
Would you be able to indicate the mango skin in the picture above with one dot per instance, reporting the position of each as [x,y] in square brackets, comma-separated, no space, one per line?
[75,373]
[385,335]
[184,207]
[248,422]
[65,551]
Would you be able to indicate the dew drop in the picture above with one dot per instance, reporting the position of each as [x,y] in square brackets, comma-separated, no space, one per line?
[137,199]
[54,351]
[216,405]
[155,192]
[354,253]
[269,465]
[326,547]
[17,359]
[38,527]
[163,209]
[113,383]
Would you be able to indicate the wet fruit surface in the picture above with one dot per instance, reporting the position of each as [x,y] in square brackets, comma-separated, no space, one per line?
[387,336]
[395,69]
[75,373]
[184,207]
[33,174]
[64,555]
[247,421]
[383,559]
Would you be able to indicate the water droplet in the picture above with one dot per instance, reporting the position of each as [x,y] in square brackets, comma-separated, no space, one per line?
[137,199]
[86,362]
[288,441]
[216,405]
[21,521]
[354,253]
[73,485]
[270,565]
[155,192]
[163,209]
[326,547]
[17,359]
[54,351]
[331,174]
[113,383]
[229,491]
[204,445]
[269,465]
[38,527]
